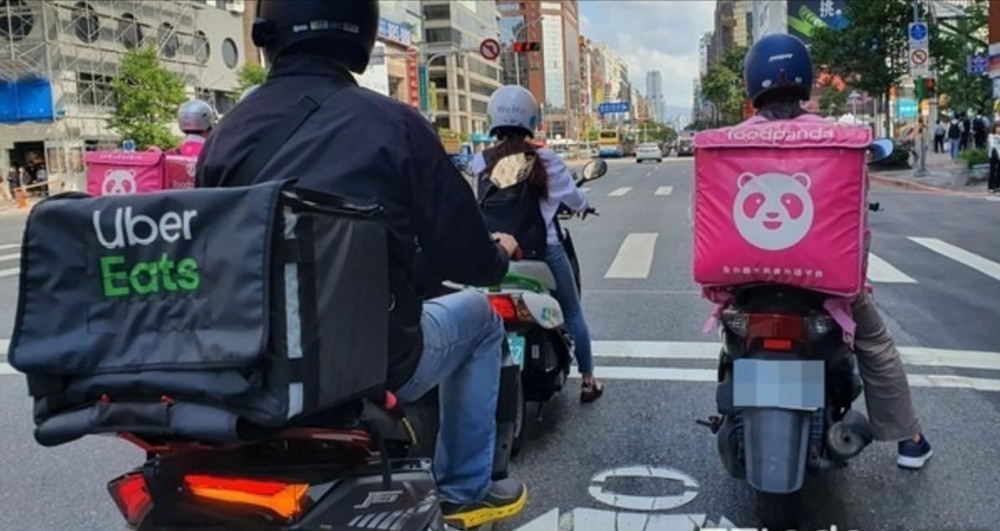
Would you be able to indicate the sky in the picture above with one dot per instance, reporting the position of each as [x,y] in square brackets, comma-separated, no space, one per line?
[653,35]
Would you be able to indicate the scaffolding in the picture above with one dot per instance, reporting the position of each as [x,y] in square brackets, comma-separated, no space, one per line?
[77,46]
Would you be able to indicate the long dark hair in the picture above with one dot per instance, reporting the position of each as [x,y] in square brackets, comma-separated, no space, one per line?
[512,141]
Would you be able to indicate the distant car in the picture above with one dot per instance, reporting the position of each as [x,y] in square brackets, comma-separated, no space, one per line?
[685,146]
[648,152]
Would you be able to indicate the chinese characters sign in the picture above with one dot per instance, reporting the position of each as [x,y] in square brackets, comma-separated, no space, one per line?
[393,32]
[804,16]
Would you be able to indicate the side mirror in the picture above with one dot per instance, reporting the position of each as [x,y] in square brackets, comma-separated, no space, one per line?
[880,149]
[594,170]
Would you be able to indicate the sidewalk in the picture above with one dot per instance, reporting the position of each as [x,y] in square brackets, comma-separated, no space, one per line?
[943,175]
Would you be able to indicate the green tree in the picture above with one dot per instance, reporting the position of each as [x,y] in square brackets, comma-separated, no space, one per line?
[147,97]
[951,43]
[831,100]
[249,75]
[870,53]
[722,85]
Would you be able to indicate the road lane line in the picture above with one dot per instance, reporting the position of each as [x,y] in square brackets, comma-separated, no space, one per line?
[707,350]
[5,257]
[979,263]
[620,191]
[584,190]
[635,256]
[10,272]
[6,246]
[664,190]
[881,271]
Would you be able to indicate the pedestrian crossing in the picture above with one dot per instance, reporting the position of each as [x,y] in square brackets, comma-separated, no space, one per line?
[636,256]
[10,258]
[624,191]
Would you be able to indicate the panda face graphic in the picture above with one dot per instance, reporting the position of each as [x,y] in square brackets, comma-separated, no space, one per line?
[773,211]
[119,182]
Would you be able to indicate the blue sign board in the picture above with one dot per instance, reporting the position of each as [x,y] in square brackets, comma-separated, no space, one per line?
[906,108]
[397,33]
[613,107]
[918,31]
[978,64]
[26,100]
[425,100]
[128,146]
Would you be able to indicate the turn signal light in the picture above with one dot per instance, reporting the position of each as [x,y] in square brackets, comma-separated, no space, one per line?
[132,498]
[283,499]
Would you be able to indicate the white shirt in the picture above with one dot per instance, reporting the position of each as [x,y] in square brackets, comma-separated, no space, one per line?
[562,190]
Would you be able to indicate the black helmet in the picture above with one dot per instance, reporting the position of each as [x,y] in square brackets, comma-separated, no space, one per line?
[348,26]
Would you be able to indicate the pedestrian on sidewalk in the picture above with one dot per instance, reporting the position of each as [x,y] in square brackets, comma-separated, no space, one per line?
[979,128]
[966,131]
[954,138]
[993,145]
[939,137]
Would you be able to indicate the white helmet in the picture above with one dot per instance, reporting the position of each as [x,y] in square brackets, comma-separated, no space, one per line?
[512,106]
[196,116]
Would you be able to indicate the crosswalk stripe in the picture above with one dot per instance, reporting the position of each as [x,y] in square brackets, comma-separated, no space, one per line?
[635,256]
[664,190]
[5,257]
[4,247]
[881,271]
[584,190]
[979,263]
[9,272]
[992,198]
[620,191]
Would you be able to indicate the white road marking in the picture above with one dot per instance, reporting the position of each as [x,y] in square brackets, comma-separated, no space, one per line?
[983,265]
[5,257]
[6,246]
[635,256]
[664,190]
[620,191]
[10,272]
[584,190]
[991,198]
[881,271]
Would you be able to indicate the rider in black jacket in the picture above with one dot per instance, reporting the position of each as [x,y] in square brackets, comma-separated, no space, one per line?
[364,146]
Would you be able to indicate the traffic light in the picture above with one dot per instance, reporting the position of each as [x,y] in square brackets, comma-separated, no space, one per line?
[930,87]
[524,47]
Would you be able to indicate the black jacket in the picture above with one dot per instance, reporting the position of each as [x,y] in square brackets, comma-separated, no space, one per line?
[374,149]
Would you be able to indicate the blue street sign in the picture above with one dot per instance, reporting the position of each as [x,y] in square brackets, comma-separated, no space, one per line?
[977,64]
[906,108]
[613,107]
[918,31]
[128,146]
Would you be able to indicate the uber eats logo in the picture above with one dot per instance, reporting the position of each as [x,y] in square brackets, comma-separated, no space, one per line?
[167,273]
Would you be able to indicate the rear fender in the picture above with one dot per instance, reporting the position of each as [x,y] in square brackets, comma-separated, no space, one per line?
[776,445]
[544,310]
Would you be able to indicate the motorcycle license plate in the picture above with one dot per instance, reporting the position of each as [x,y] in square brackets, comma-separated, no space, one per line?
[787,384]
[516,344]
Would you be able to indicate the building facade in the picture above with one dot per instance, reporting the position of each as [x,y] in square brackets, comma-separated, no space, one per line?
[743,20]
[723,35]
[654,92]
[63,76]
[460,82]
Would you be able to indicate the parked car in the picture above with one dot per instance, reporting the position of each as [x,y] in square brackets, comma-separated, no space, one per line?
[650,151]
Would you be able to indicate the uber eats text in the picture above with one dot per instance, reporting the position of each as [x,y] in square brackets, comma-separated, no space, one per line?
[167,273]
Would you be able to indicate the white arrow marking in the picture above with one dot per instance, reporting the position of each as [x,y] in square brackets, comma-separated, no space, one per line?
[644,503]
[546,522]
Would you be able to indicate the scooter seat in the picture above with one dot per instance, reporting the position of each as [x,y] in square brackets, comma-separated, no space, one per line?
[535,270]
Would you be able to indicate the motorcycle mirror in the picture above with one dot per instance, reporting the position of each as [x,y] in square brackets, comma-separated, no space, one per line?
[880,149]
[594,170]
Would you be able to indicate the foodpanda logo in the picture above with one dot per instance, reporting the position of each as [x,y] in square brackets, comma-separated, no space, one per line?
[773,211]
[780,134]
[119,182]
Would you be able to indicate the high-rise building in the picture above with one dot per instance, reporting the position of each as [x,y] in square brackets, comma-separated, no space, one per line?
[722,36]
[654,92]
[704,44]
[743,19]
[552,73]
[62,56]
[461,82]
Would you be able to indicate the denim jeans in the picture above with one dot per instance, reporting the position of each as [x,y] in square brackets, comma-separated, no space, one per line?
[569,301]
[463,342]
[953,145]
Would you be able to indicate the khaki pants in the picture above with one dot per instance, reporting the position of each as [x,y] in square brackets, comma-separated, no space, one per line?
[887,391]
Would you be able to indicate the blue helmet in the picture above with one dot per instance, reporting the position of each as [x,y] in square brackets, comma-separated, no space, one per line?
[778,63]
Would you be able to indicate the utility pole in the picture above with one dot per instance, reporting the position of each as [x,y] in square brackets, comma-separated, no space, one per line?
[920,138]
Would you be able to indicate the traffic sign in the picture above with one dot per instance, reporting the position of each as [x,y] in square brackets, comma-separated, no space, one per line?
[613,107]
[128,146]
[489,49]
[977,64]
[918,57]
[918,32]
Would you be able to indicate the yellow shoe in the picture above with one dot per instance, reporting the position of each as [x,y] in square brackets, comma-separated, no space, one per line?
[506,498]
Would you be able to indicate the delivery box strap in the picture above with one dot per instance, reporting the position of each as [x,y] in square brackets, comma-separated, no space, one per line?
[249,171]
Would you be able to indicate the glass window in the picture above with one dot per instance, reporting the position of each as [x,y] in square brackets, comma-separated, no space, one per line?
[437,12]
[555,68]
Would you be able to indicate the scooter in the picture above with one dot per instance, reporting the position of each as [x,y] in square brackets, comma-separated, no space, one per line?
[536,334]
[770,438]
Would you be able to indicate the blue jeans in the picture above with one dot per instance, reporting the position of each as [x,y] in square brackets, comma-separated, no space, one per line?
[953,147]
[569,301]
[463,342]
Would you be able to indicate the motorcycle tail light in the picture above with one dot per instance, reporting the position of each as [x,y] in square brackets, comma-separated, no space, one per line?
[736,322]
[285,500]
[509,308]
[132,498]
[776,326]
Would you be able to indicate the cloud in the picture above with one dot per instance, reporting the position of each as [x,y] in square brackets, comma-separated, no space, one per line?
[652,35]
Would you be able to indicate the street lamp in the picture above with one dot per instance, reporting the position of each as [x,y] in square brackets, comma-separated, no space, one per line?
[853,100]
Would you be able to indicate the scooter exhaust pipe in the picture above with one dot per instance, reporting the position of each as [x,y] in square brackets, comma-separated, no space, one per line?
[849,436]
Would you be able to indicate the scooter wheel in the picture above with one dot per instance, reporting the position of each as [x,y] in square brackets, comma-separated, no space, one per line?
[779,511]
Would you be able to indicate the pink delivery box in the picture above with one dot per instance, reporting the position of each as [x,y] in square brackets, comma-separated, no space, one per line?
[123,172]
[781,202]
[180,171]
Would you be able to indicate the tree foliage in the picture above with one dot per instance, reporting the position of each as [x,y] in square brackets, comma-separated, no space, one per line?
[147,97]
[249,75]
[950,50]
[723,85]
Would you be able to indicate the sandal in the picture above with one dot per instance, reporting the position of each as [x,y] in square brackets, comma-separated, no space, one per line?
[590,391]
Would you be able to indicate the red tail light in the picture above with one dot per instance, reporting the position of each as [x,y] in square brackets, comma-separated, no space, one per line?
[283,499]
[778,344]
[775,326]
[130,495]
[504,306]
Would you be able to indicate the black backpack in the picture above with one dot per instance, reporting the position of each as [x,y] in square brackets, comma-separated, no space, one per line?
[514,209]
